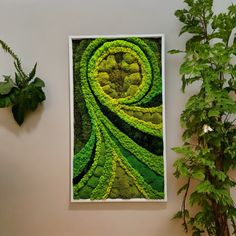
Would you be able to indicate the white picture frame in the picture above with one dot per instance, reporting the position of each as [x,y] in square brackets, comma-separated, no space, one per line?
[72,39]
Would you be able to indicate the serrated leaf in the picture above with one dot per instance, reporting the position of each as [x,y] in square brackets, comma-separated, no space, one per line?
[198,175]
[205,187]
[32,73]
[181,167]
[213,113]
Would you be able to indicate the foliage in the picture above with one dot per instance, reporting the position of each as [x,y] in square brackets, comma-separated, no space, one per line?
[209,149]
[23,93]
[110,163]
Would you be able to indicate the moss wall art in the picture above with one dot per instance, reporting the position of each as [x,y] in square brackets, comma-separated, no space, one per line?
[117,118]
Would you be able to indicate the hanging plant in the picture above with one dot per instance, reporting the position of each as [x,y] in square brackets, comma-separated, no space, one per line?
[23,93]
[209,149]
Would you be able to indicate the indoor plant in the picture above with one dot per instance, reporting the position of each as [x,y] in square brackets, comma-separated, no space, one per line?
[23,93]
[209,149]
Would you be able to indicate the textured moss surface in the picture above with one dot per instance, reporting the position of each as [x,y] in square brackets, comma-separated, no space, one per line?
[118,146]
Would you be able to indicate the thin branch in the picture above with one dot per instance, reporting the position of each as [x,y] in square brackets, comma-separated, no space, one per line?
[183,208]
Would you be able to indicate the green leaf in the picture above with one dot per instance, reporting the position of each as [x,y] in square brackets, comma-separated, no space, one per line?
[184,187]
[214,113]
[178,215]
[18,113]
[189,2]
[205,187]
[38,83]
[18,79]
[9,99]
[198,175]
[175,51]
[6,86]
[181,168]
[32,73]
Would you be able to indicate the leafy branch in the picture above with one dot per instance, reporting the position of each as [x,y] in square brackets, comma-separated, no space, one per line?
[23,93]
[209,149]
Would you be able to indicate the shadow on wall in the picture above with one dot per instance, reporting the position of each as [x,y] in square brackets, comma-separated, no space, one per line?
[7,121]
[118,206]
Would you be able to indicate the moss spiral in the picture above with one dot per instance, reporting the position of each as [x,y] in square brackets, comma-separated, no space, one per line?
[117,80]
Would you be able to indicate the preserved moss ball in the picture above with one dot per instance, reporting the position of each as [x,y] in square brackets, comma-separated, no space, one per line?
[132,90]
[134,67]
[147,116]
[107,88]
[103,78]
[139,115]
[124,66]
[107,65]
[113,93]
[156,118]
[132,79]
[129,58]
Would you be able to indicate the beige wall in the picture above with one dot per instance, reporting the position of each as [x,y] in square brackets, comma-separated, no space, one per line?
[34,159]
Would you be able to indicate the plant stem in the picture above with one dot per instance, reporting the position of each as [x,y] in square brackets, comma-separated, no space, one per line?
[184,206]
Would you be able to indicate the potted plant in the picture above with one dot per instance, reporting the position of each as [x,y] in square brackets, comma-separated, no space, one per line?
[208,152]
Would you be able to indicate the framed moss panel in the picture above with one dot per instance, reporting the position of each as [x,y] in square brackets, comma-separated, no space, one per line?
[117,118]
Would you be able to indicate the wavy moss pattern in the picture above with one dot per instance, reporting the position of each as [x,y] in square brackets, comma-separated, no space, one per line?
[122,75]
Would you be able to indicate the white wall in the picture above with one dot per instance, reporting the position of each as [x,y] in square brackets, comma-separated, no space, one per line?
[34,159]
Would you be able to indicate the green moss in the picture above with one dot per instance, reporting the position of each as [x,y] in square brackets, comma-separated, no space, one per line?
[103,68]
[132,90]
[84,193]
[156,118]
[152,161]
[82,124]
[132,79]
[152,178]
[147,116]
[152,53]
[82,158]
[118,46]
[134,67]
[128,58]
[109,64]
[93,182]
[125,66]
[107,88]
[98,171]
[103,78]
[139,115]
[123,186]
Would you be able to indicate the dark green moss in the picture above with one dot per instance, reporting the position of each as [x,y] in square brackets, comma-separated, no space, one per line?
[82,124]
[85,192]
[93,182]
